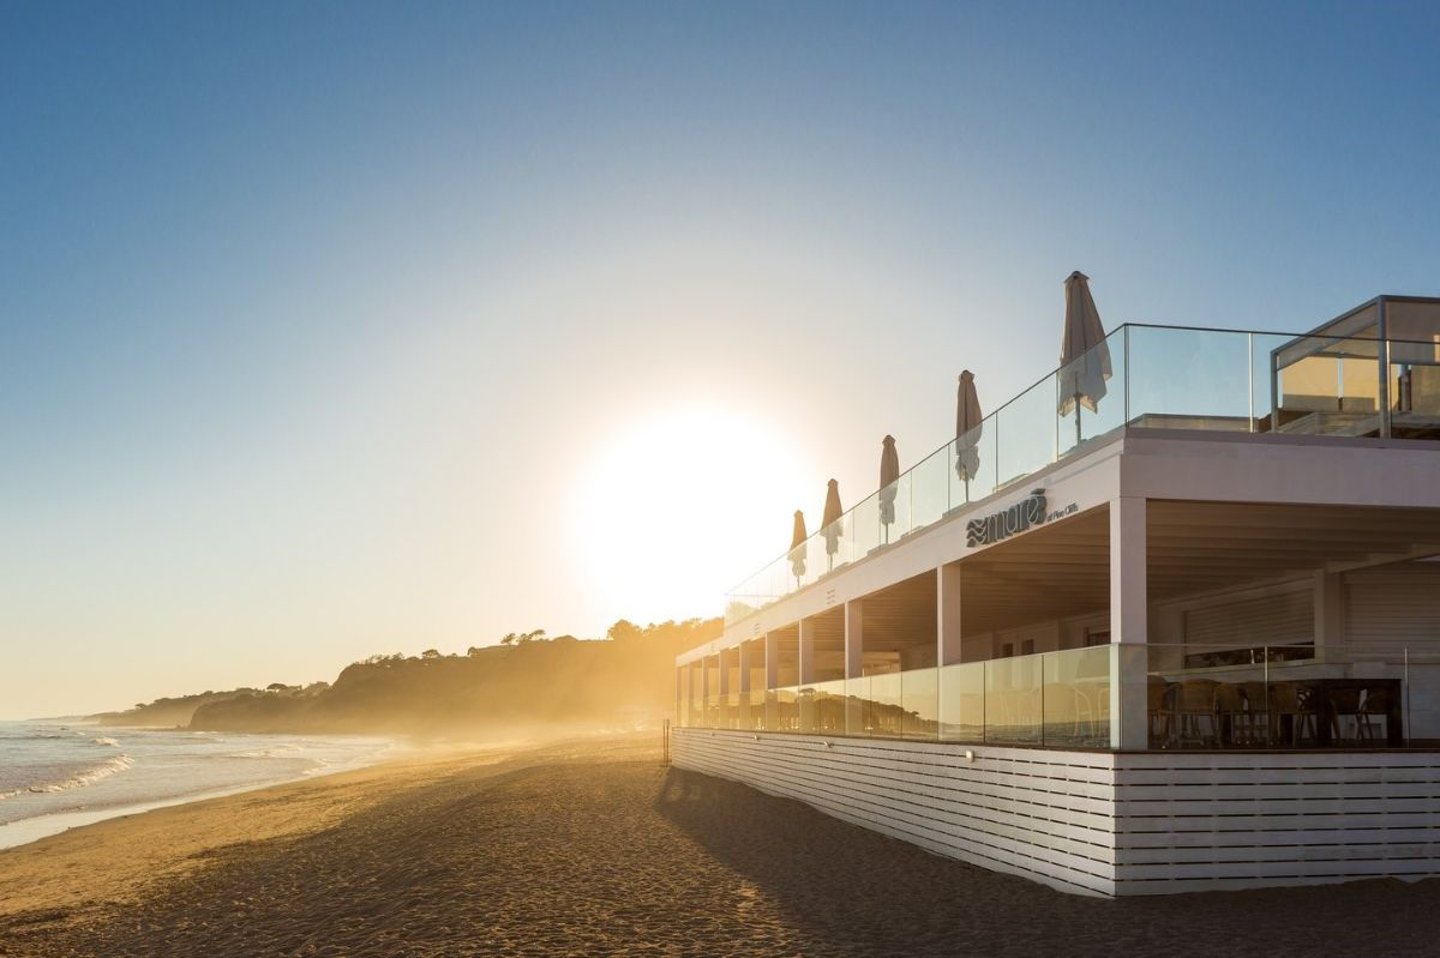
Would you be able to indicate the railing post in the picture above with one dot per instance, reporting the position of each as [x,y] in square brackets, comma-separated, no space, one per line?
[1125,348]
[1250,375]
[1382,359]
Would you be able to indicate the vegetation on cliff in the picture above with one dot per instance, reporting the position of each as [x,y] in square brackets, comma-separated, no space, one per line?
[527,680]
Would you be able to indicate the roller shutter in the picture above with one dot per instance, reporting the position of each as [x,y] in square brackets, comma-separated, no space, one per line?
[1286,619]
[1393,604]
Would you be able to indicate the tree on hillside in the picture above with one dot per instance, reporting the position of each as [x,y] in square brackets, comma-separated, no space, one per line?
[624,631]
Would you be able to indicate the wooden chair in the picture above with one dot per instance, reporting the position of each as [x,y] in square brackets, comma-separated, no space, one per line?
[1195,711]
[1374,709]
[1345,714]
[1238,725]
[1287,702]
[1161,709]
[1257,703]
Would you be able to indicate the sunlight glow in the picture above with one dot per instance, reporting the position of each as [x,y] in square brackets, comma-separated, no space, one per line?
[681,506]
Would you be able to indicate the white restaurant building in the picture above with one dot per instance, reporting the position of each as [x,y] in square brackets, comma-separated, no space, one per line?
[1189,641]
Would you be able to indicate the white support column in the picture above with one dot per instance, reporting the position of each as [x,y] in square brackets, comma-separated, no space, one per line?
[1129,623]
[707,684]
[744,668]
[725,658]
[772,661]
[854,638]
[947,612]
[807,651]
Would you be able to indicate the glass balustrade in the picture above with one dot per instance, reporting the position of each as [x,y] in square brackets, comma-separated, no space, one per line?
[1160,377]
[1059,699]
[1213,697]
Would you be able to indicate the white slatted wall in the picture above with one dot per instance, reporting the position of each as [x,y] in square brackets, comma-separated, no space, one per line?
[1042,814]
[1096,823]
[1207,821]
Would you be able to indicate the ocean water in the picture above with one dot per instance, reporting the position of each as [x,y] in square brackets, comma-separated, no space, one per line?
[55,774]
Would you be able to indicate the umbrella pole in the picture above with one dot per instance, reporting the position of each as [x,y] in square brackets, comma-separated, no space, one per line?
[967,488]
[1077,420]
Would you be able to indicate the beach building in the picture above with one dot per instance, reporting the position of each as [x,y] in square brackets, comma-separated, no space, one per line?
[1167,621]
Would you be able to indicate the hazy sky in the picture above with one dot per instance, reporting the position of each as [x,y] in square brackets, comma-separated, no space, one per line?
[333,329]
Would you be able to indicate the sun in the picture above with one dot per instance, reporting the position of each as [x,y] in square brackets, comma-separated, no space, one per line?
[681,505]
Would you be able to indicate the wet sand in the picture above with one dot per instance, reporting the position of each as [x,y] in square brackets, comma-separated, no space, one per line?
[594,848]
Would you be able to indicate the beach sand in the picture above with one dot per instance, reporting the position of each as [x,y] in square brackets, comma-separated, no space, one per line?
[594,848]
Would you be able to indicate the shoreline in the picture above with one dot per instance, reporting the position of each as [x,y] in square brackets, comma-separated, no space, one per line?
[120,856]
[25,831]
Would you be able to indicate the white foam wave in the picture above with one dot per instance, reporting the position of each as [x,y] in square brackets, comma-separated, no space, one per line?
[90,776]
[107,741]
[272,752]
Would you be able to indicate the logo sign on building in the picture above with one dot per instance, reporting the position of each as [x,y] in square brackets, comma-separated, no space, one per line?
[997,526]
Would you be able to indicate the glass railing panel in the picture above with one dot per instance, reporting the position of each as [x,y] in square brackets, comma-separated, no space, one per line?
[857,705]
[920,703]
[886,706]
[830,706]
[805,709]
[782,712]
[865,526]
[930,488]
[903,507]
[1190,379]
[1414,387]
[756,709]
[1025,433]
[1328,386]
[1013,700]
[1076,698]
[730,717]
[1089,393]
[1292,696]
[832,547]
[971,471]
[962,702]
[1263,383]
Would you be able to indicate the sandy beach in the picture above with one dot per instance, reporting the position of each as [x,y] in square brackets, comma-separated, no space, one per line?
[593,847]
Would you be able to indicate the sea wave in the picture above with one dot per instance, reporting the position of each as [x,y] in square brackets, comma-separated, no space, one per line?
[89,776]
[275,751]
[107,741]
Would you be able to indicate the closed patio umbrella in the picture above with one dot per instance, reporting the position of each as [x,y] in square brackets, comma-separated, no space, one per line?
[967,430]
[889,475]
[831,523]
[1084,356]
[797,547]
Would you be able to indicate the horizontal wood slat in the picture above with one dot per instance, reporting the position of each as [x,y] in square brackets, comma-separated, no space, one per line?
[1109,824]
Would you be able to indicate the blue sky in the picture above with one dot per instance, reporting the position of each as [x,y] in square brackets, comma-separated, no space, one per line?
[320,323]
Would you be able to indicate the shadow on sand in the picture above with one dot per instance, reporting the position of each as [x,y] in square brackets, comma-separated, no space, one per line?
[857,892]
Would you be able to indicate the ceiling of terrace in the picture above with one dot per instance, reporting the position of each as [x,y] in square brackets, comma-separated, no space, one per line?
[1192,547]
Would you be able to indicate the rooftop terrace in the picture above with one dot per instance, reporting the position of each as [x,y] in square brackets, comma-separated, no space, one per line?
[1371,372]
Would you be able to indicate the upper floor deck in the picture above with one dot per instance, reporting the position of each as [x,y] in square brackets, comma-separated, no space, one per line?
[1372,372]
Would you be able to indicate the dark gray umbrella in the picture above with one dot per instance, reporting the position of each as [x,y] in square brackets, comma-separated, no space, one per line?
[1084,356]
[968,423]
[889,475]
[797,546]
[831,523]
